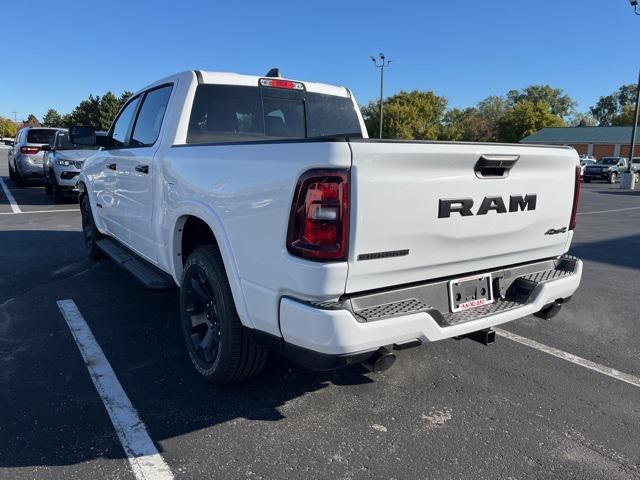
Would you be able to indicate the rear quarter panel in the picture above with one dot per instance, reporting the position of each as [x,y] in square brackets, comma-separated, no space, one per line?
[244,193]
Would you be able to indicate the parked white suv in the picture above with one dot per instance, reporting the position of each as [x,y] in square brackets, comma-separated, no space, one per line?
[287,229]
[26,155]
[63,161]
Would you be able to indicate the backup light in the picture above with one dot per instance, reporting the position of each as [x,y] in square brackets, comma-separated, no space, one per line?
[277,83]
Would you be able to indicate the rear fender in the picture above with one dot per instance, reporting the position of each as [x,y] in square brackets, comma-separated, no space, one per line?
[209,216]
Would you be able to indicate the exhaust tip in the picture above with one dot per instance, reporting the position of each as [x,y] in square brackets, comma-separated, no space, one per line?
[549,311]
[381,361]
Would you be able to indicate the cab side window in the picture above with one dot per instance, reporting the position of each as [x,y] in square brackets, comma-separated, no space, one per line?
[149,121]
[122,126]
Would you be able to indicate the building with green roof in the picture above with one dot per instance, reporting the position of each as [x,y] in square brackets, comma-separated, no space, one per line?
[596,141]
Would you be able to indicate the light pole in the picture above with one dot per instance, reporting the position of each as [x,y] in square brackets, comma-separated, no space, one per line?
[635,125]
[383,63]
[628,180]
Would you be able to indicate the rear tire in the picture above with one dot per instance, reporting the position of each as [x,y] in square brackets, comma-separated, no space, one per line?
[58,196]
[20,180]
[47,185]
[12,174]
[89,229]
[220,347]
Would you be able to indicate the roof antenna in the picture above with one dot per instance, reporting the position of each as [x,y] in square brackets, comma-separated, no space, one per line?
[274,72]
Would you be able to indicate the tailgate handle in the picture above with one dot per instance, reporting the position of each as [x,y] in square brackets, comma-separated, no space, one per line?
[495,166]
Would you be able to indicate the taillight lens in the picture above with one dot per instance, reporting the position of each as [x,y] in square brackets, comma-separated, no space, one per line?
[319,221]
[30,150]
[576,199]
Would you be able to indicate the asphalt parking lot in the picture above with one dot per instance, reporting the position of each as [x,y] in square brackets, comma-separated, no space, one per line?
[454,409]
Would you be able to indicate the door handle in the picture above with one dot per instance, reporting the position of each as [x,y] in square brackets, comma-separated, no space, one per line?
[111,166]
[142,168]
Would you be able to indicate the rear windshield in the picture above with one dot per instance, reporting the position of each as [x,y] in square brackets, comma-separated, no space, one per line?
[40,136]
[63,143]
[608,161]
[229,113]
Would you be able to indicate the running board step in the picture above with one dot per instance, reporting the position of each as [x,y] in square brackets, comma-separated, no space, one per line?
[148,275]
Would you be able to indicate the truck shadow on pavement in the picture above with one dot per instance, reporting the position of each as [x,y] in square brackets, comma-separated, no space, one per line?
[632,193]
[615,251]
[50,413]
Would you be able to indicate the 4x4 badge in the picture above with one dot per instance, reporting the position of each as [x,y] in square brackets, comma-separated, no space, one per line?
[554,231]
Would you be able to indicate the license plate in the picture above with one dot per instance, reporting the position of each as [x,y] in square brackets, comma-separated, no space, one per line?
[470,292]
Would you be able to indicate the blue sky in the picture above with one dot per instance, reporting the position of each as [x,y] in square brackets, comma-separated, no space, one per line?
[65,50]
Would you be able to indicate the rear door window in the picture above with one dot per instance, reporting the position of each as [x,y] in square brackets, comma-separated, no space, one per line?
[40,136]
[147,128]
[225,113]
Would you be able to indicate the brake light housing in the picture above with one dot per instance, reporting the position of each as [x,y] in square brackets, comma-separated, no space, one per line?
[319,221]
[576,200]
[29,150]
[279,83]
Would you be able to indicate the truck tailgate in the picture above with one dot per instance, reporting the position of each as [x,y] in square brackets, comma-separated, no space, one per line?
[405,224]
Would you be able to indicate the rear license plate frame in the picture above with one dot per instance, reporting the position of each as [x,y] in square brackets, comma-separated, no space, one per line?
[470,290]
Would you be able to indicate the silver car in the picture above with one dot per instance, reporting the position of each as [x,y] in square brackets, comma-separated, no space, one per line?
[63,161]
[26,156]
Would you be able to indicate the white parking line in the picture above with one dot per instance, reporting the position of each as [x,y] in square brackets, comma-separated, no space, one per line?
[146,462]
[583,362]
[42,211]
[610,211]
[12,201]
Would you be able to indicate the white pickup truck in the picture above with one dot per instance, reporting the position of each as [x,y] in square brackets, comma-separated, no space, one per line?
[286,228]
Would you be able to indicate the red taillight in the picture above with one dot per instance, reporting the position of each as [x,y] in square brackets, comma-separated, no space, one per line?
[319,221]
[576,199]
[30,150]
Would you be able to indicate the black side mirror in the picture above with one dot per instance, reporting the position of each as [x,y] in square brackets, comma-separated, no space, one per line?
[45,148]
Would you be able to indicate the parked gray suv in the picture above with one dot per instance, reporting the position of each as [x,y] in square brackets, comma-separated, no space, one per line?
[63,161]
[26,156]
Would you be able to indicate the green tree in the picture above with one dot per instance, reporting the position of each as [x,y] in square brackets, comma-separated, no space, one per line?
[407,115]
[525,118]
[625,117]
[67,120]
[52,118]
[124,97]
[461,125]
[109,107]
[583,120]
[559,103]
[31,121]
[87,112]
[610,109]
[490,111]
[8,128]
